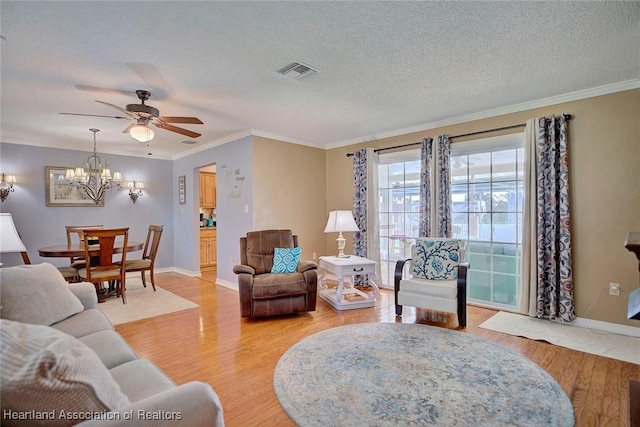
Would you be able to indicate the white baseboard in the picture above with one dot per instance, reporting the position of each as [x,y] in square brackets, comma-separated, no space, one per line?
[188,273]
[227,284]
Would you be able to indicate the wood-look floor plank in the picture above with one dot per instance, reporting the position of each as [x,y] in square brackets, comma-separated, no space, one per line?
[211,343]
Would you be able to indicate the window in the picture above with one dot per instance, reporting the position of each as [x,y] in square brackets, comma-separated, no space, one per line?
[399,207]
[487,201]
[487,198]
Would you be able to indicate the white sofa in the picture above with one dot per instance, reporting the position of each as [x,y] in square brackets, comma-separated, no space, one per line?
[77,365]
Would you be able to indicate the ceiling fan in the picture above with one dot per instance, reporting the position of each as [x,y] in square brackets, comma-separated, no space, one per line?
[142,115]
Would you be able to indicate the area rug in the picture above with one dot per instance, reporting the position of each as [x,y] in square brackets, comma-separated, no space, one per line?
[143,303]
[394,374]
[601,343]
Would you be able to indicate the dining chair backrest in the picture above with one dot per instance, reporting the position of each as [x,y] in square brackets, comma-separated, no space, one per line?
[103,265]
[76,230]
[152,243]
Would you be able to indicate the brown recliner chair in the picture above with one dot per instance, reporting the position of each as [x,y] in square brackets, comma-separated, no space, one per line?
[263,293]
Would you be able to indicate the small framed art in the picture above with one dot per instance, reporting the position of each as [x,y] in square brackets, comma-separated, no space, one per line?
[182,189]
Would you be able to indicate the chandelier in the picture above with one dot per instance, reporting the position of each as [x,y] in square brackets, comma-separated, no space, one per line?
[94,178]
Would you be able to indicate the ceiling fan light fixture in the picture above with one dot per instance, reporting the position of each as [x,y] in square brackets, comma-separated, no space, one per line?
[141,133]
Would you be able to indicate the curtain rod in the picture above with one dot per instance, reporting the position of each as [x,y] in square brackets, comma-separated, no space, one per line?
[566,117]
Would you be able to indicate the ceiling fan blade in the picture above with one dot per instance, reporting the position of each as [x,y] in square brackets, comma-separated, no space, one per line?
[106,90]
[178,130]
[97,115]
[190,120]
[128,113]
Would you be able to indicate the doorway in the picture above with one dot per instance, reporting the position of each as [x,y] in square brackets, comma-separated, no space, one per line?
[208,222]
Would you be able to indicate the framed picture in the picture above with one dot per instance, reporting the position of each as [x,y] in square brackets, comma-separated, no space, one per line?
[61,193]
[182,190]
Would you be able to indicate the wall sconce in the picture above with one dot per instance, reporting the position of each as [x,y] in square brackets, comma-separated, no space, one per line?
[6,185]
[135,190]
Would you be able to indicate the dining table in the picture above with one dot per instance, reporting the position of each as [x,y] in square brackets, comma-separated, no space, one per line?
[77,249]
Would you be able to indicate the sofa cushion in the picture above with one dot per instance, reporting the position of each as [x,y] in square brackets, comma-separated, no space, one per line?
[110,347]
[140,379]
[46,370]
[436,258]
[285,260]
[37,294]
[84,323]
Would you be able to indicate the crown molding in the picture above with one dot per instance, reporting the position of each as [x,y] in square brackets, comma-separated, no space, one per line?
[515,108]
[216,143]
[257,132]
[243,134]
[86,150]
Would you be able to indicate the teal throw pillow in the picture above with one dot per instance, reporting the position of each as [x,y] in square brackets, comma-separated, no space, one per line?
[436,259]
[285,260]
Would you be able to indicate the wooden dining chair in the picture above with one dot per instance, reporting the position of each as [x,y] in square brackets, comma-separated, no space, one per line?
[102,268]
[74,234]
[147,262]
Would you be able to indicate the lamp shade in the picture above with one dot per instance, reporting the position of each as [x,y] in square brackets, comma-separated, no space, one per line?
[9,238]
[340,221]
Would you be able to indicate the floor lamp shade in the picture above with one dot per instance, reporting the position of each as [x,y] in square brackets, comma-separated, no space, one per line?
[9,239]
[338,222]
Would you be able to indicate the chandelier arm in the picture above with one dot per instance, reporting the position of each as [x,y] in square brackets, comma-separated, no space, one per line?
[91,181]
[89,192]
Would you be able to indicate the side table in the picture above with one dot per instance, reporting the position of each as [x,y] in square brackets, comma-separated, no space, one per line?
[348,266]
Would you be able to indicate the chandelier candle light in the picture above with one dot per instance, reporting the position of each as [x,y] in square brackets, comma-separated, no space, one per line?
[94,178]
[340,221]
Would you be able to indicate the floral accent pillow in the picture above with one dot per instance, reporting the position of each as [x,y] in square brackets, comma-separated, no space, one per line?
[285,260]
[436,259]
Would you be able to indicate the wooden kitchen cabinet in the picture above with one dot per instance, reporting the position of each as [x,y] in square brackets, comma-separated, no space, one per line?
[208,248]
[207,190]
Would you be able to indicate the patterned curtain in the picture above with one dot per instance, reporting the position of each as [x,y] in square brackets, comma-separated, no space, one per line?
[443,186]
[365,208]
[360,202]
[424,224]
[435,187]
[551,287]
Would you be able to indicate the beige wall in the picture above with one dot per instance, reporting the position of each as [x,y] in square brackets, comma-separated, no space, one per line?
[604,161]
[289,191]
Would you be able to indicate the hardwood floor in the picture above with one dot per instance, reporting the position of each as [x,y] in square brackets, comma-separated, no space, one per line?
[238,356]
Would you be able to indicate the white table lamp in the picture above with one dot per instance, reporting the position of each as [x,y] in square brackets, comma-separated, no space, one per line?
[340,221]
[10,239]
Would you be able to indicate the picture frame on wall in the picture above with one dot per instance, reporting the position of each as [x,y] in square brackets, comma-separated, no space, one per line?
[61,193]
[182,189]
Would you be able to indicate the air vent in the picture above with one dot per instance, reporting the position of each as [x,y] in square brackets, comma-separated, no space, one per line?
[297,71]
[189,141]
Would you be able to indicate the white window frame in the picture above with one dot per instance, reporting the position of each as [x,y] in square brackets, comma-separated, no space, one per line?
[484,145]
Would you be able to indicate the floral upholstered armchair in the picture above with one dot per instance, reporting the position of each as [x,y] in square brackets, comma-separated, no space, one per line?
[436,279]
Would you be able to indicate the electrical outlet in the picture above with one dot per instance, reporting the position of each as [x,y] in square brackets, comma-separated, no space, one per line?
[315,256]
[614,289]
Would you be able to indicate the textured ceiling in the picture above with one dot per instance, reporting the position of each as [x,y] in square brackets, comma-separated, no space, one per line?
[385,66]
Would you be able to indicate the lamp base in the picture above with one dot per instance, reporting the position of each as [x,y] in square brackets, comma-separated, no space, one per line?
[341,244]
